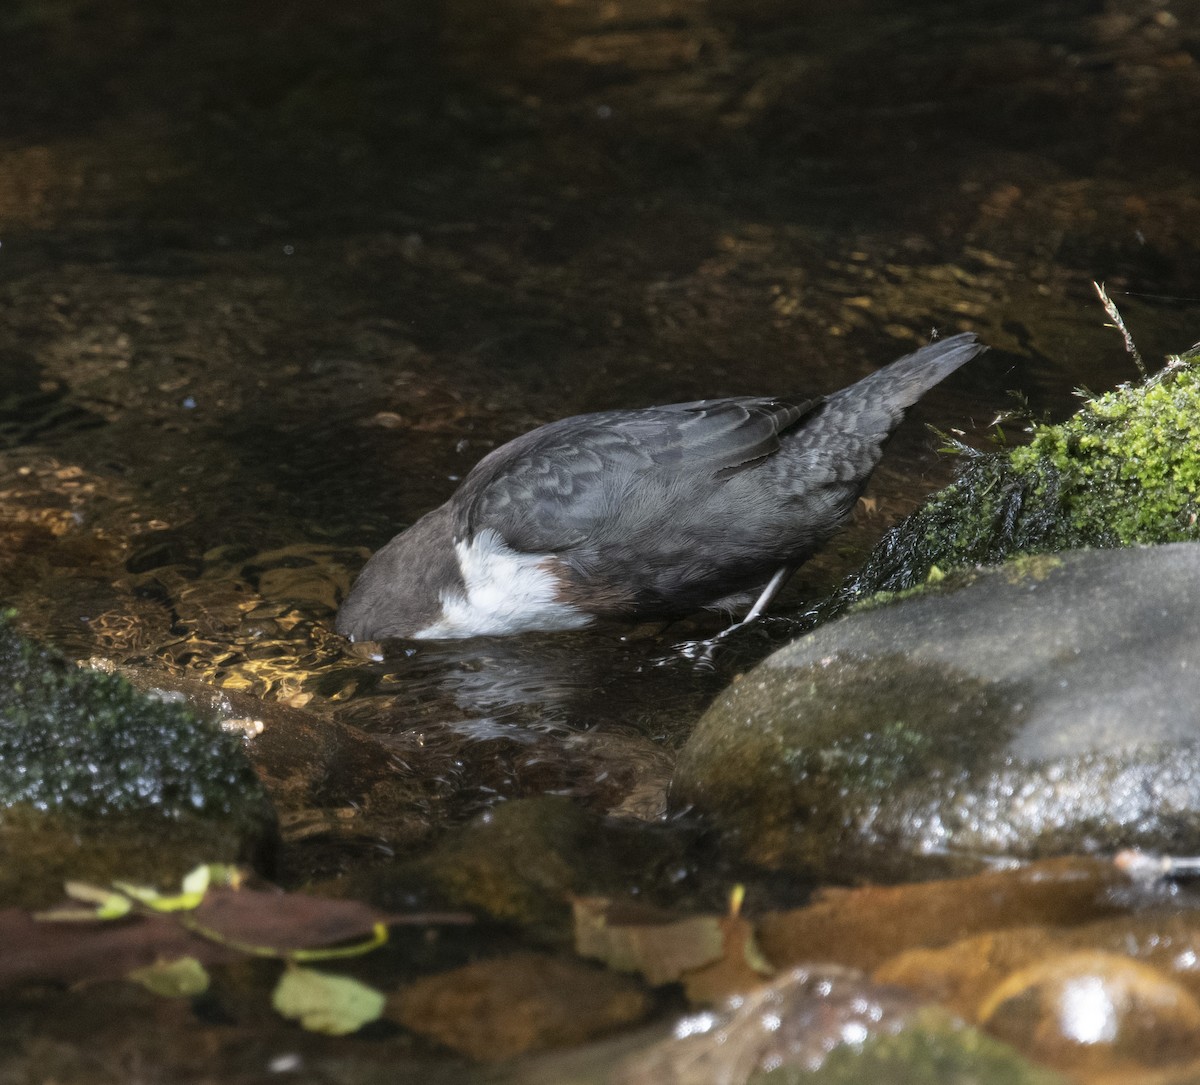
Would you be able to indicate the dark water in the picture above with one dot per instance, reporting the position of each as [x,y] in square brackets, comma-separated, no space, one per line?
[276,275]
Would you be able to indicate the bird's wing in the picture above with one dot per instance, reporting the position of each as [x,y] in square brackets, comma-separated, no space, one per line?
[548,490]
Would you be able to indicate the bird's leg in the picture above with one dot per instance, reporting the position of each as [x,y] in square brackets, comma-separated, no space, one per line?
[762,602]
[701,651]
[774,585]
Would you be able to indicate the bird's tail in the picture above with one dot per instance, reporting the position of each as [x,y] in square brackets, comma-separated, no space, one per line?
[843,440]
[896,387]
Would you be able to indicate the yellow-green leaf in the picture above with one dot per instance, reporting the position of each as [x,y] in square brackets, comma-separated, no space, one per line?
[181,978]
[326,1003]
[160,902]
[109,905]
[75,915]
[203,877]
[197,881]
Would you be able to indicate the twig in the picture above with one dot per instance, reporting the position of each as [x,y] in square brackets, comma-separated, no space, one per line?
[1114,314]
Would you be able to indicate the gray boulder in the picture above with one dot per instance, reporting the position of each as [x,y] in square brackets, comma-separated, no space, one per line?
[1049,706]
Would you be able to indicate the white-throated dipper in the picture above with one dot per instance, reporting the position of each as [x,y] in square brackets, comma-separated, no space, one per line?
[648,513]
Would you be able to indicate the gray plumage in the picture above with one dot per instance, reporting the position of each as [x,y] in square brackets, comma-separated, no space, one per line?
[648,513]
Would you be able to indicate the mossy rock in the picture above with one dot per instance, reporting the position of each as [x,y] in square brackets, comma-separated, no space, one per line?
[99,780]
[932,1049]
[1123,470]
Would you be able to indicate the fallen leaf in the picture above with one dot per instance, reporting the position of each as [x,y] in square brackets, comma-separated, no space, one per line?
[739,967]
[73,953]
[635,938]
[180,978]
[335,1005]
[226,925]
[283,922]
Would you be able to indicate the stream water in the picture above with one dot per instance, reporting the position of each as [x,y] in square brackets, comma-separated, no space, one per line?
[275,276]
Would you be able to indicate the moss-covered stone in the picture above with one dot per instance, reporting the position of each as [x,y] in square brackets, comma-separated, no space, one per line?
[933,1049]
[1124,469]
[98,779]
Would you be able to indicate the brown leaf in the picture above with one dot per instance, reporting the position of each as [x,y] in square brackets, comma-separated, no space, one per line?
[77,952]
[35,950]
[284,921]
[740,966]
[863,927]
[659,945]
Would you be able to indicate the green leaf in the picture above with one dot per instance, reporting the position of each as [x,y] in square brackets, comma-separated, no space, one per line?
[196,881]
[160,902]
[181,978]
[108,905]
[321,1002]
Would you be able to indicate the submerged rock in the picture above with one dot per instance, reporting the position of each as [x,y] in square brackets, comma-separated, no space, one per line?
[1047,707]
[933,1049]
[523,861]
[506,1006]
[98,780]
[1094,1010]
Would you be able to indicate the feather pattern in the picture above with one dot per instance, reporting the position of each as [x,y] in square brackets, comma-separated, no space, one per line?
[641,513]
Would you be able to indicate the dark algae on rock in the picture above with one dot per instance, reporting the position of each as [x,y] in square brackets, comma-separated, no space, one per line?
[90,767]
[81,740]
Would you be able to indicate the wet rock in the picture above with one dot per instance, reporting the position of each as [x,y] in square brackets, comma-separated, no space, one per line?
[866,926]
[518,862]
[1045,708]
[793,1021]
[1124,469]
[964,974]
[825,1023]
[508,1006]
[99,781]
[522,862]
[930,1050]
[1094,1010]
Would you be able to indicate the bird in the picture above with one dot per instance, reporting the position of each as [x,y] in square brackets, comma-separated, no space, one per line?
[644,514]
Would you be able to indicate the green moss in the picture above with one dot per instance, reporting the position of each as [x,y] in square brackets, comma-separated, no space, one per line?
[931,1050]
[1127,465]
[78,741]
[934,580]
[1124,469]
[1031,567]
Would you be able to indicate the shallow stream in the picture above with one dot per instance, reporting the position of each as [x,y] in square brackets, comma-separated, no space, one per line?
[275,276]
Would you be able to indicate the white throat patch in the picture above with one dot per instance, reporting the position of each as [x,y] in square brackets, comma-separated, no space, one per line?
[504,592]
